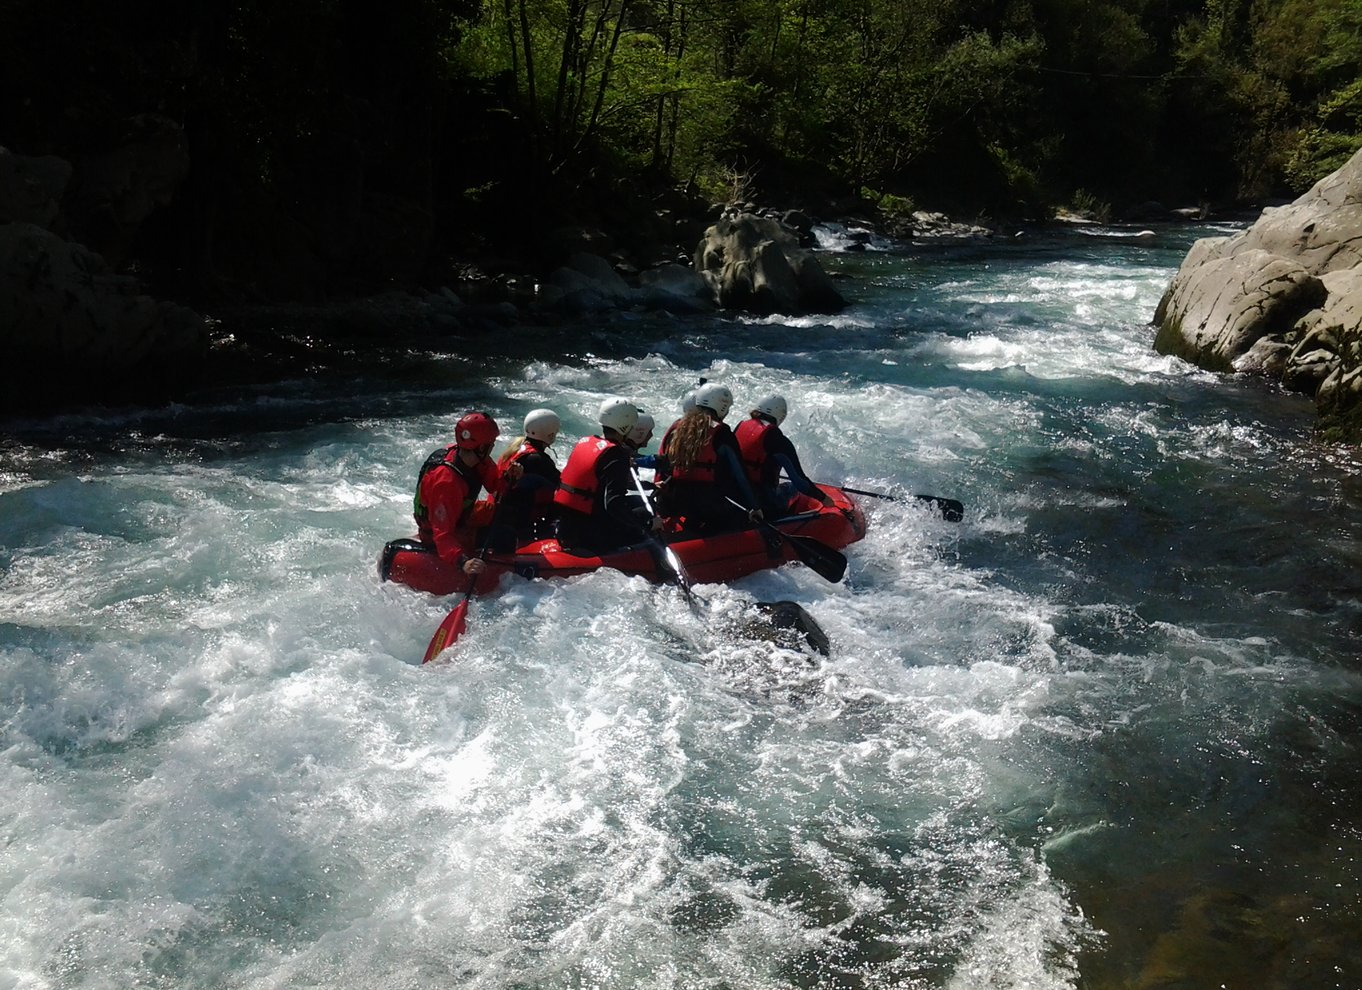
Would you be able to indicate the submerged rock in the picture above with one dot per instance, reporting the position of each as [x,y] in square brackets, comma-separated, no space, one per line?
[787,623]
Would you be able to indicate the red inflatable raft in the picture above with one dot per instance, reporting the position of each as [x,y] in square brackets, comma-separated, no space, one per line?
[707,559]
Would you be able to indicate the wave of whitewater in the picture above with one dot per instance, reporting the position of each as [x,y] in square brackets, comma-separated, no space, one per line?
[1100,734]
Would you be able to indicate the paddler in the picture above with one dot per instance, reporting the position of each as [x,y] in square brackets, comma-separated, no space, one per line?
[597,499]
[527,508]
[704,467]
[766,451]
[448,485]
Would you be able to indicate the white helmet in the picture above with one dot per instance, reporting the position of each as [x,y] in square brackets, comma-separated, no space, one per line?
[773,406]
[619,415]
[687,402]
[543,425]
[642,431]
[716,398]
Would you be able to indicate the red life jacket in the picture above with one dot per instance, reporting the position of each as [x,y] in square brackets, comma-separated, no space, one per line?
[751,434]
[542,496]
[702,469]
[579,482]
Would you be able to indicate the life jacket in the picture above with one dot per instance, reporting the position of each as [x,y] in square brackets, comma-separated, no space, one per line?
[446,457]
[705,463]
[662,462]
[579,482]
[538,462]
[751,434]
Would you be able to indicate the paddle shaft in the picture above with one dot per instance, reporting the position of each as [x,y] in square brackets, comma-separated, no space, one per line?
[667,556]
[952,510]
[829,563]
[456,621]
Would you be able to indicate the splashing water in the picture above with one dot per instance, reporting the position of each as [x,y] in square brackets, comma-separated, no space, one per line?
[1100,734]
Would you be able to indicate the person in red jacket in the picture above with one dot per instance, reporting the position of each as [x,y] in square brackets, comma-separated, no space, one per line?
[448,486]
[599,506]
[526,507]
[703,474]
[766,451]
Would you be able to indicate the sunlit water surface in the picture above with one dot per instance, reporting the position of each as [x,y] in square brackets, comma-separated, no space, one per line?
[1100,734]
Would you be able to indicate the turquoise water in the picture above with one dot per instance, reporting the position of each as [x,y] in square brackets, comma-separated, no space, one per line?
[1102,733]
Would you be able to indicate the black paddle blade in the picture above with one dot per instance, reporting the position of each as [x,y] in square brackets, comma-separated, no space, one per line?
[818,557]
[952,510]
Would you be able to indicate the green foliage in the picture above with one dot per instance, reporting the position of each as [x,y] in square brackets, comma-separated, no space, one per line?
[1088,206]
[302,115]
[1327,145]
[890,204]
[1266,76]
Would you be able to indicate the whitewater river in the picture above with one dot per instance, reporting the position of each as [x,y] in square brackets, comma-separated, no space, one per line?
[1100,734]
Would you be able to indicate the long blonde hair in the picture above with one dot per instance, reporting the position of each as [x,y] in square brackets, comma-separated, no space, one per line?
[688,437]
[509,453]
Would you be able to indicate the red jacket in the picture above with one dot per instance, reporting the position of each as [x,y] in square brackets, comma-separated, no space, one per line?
[705,463]
[445,494]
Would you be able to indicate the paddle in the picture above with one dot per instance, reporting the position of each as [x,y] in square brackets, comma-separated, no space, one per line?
[820,558]
[784,615]
[952,510]
[665,558]
[456,621]
[453,625]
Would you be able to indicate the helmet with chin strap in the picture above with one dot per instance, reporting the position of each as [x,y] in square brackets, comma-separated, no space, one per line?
[716,398]
[642,431]
[542,425]
[619,415]
[475,430]
[772,406]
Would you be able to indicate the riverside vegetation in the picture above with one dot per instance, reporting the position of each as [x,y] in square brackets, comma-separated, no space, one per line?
[231,153]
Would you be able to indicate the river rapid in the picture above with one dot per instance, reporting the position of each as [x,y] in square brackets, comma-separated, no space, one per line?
[1102,733]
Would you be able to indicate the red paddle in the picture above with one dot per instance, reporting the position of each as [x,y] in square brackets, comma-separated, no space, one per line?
[453,625]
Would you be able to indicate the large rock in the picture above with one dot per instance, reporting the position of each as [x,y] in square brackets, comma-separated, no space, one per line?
[755,263]
[68,323]
[31,187]
[114,190]
[1283,299]
[1222,307]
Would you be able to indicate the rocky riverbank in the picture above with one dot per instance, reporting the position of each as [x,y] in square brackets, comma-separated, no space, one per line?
[1282,299]
[69,313]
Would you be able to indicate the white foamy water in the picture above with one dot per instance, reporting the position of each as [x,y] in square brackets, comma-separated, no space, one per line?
[1099,734]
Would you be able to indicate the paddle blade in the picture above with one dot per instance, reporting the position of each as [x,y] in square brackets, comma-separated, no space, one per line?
[450,630]
[952,510]
[818,557]
[674,562]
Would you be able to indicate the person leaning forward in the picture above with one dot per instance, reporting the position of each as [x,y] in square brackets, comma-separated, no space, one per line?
[766,451]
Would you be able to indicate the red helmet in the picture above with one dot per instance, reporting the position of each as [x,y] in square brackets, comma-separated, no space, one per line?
[475,431]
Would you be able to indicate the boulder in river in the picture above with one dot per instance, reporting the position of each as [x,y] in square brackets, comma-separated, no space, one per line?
[1282,298]
[755,263]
